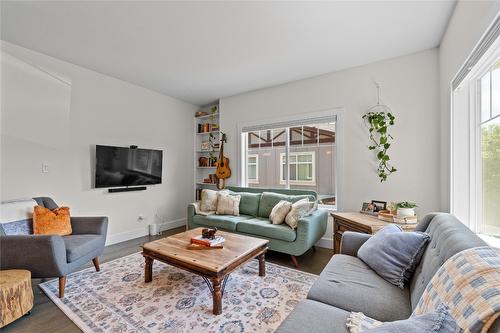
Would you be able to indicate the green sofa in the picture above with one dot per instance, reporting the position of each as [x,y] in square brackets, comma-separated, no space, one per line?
[255,206]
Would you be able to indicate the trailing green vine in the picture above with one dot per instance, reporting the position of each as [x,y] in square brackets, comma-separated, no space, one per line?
[211,136]
[378,124]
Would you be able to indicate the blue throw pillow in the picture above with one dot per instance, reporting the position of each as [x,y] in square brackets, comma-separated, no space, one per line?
[393,253]
[436,321]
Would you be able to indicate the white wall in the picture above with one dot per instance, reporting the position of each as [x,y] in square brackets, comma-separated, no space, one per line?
[410,86]
[102,110]
[467,24]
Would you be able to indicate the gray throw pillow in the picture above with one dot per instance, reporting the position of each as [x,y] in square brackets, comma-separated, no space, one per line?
[393,253]
[438,321]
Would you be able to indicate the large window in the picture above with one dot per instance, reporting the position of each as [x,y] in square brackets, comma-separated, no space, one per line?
[299,154]
[475,139]
[489,129]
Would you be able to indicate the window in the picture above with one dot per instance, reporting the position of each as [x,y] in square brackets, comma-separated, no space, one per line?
[302,166]
[253,169]
[489,156]
[475,144]
[298,154]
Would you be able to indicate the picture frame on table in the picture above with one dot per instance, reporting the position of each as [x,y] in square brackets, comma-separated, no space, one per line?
[379,205]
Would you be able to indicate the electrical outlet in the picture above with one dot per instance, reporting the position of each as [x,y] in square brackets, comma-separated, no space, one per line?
[45,167]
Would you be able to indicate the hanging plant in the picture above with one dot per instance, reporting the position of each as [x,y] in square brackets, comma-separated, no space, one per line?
[378,120]
[211,136]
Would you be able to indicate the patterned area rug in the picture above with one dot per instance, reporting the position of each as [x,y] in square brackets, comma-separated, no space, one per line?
[116,299]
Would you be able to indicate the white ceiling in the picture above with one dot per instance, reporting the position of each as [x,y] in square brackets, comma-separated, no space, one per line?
[202,51]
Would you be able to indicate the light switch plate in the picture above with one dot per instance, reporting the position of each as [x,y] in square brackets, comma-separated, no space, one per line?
[45,167]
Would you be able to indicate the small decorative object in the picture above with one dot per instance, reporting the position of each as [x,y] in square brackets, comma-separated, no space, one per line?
[205,145]
[378,118]
[203,162]
[406,208]
[379,206]
[208,233]
[200,114]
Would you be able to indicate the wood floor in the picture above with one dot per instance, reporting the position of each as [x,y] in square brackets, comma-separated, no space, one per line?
[46,316]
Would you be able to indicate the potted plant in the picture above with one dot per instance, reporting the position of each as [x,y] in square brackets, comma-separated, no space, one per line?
[406,208]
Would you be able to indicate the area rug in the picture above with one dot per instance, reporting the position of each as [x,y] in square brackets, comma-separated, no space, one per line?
[116,299]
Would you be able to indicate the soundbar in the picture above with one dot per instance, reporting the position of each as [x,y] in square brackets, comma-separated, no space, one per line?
[127,189]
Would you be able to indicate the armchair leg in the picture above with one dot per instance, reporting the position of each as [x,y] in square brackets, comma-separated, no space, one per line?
[294,260]
[62,285]
[96,264]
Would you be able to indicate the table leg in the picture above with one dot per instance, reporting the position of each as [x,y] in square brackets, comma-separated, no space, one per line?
[262,265]
[217,297]
[148,269]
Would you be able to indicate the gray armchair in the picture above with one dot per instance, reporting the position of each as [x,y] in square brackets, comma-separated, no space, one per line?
[52,255]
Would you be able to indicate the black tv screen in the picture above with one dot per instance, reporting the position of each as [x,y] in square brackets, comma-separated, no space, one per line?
[119,166]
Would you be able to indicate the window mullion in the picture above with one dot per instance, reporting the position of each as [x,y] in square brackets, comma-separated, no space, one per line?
[287,157]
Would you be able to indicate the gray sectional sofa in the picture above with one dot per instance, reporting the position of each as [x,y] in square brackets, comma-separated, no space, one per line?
[348,284]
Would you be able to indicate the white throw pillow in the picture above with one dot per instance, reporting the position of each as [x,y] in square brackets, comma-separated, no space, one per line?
[228,204]
[209,200]
[300,209]
[279,212]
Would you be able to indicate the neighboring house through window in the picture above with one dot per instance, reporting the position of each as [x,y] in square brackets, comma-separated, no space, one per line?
[253,169]
[302,168]
[295,154]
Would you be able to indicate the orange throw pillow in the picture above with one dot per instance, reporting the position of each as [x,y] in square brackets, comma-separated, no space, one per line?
[51,222]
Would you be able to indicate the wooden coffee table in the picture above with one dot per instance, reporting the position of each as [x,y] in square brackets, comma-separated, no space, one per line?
[214,266]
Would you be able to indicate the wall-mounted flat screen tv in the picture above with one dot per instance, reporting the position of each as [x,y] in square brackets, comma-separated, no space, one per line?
[120,166]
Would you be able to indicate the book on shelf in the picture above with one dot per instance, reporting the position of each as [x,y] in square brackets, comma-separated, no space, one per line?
[199,240]
[388,217]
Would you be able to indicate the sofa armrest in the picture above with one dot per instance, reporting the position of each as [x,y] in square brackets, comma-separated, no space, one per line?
[312,227]
[43,255]
[97,225]
[191,212]
[351,242]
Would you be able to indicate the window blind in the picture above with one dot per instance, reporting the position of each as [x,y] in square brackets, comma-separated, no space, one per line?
[484,44]
[290,123]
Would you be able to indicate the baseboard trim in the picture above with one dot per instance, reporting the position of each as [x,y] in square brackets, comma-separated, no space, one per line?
[173,224]
[325,242]
[143,231]
[127,235]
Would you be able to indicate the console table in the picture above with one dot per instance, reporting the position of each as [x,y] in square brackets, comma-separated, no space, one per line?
[358,222]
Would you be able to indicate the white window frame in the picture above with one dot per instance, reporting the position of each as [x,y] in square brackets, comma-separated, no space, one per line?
[338,112]
[256,180]
[297,154]
[465,175]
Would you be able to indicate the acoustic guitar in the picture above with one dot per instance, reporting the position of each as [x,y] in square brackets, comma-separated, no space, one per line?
[223,171]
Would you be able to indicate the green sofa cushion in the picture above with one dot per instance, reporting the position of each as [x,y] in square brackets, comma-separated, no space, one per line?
[249,202]
[269,199]
[226,222]
[264,228]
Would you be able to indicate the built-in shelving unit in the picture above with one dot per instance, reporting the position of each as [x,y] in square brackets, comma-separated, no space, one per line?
[203,148]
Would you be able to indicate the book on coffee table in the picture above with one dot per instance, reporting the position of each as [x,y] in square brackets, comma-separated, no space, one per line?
[199,240]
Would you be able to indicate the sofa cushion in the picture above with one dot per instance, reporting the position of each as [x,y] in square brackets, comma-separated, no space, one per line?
[269,199]
[393,253]
[78,246]
[436,321]
[228,204]
[349,284]
[225,222]
[265,228]
[448,237]
[311,316]
[249,202]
